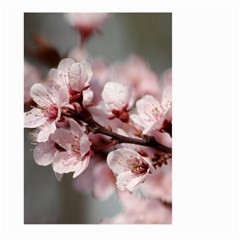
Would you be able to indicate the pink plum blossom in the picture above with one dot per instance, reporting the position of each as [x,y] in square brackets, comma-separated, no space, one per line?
[117,100]
[130,168]
[151,113]
[75,76]
[48,111]
[74,154]
[117,114]
[66,150]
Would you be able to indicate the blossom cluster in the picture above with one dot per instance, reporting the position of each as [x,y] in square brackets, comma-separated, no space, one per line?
[107,124]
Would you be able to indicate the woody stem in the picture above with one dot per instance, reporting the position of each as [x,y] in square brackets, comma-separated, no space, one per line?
[96,128]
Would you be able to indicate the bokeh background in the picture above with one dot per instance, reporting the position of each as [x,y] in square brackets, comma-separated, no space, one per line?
[149,35]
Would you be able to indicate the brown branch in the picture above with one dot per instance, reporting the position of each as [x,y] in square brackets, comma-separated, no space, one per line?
[148,141]
[95,128]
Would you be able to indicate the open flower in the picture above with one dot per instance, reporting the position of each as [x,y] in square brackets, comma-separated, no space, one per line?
[75,76]
[48,111]
[117,100]
[66,150]
[151,112]
[130,168]
[74,148]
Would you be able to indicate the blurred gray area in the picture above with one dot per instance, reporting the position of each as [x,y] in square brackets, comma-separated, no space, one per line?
[148,35]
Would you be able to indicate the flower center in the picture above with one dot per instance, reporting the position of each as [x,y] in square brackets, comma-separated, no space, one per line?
[52,112]
[75,146]
[138,167]
[156,112]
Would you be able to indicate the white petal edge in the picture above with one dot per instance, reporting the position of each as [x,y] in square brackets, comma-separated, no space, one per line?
[34,118]
[40,95]
[45,132]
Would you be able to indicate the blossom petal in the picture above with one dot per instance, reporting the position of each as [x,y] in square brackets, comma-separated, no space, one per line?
[84,145]
[80,75]
[87,97]
[66,64]
[34,118]
[125,163]
[149,108]
[44,152]
[117,95]
[64,162]
[163,138]
[137,120]
[45,132]
[40,95]
[82,165]
[63,138]
[153,126]
[58,77]
[61,95]
[76,129]
[129,181]
[84,141]
[117,159]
